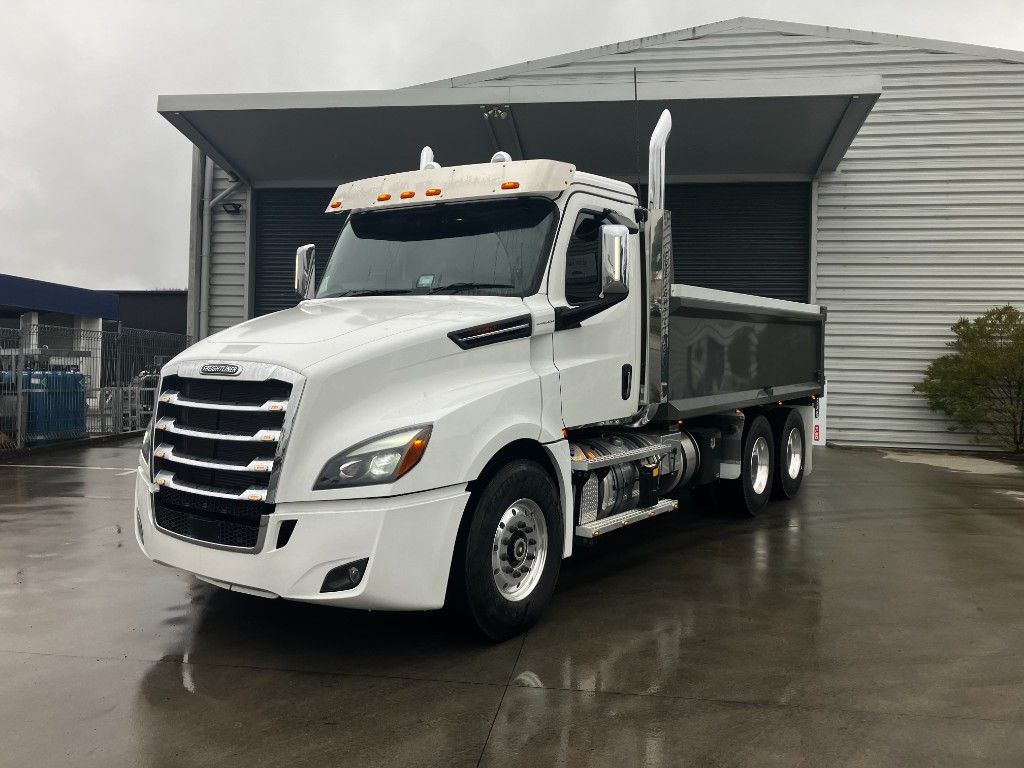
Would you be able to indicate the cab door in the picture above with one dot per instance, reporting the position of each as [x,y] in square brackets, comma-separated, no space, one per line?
[597,356]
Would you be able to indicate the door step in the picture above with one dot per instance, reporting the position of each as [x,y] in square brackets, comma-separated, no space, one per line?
[585,465]
[606,524]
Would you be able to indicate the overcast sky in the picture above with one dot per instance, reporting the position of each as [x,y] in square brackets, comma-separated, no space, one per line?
[94,184]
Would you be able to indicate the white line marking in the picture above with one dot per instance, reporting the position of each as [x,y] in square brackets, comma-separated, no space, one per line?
[126,470]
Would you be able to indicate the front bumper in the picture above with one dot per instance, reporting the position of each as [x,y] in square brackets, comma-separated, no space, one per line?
[409,541]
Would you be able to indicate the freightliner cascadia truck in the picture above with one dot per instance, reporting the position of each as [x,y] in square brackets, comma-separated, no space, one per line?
[495,368]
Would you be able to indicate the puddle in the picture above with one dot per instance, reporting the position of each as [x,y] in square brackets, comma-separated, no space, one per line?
[956,462]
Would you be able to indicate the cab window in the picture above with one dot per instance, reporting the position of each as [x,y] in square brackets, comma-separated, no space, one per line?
[583,260]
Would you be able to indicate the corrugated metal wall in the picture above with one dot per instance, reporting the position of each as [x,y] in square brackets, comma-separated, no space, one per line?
[923,221]
[228,275]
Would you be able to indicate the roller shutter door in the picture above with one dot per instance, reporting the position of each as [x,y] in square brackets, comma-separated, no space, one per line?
[284,220]
[750,238]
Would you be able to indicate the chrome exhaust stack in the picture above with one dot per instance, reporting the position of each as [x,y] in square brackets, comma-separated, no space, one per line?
[656,161]
[658,252]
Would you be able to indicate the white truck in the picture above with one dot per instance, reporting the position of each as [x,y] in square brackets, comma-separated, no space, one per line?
[495,368]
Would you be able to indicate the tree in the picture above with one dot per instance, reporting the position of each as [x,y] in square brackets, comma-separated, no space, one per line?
[980,383]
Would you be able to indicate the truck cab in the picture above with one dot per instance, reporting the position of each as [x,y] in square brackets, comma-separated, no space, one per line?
[478,383]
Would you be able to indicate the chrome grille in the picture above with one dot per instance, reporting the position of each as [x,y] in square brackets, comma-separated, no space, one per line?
[217,445]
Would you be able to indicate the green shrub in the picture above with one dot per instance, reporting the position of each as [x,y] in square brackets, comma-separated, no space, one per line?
[980,383]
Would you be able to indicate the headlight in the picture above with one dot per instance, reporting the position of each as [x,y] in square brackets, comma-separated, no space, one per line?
[383,459]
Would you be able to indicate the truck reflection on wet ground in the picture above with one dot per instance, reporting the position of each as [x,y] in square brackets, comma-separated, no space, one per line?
[876,620]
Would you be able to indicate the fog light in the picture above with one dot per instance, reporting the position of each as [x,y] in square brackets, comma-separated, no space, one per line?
[345,576]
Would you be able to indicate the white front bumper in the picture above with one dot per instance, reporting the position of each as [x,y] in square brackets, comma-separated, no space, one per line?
[409,541]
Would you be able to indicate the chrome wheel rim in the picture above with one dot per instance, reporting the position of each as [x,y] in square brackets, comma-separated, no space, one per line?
[519,550]
[794,453]
[759,465]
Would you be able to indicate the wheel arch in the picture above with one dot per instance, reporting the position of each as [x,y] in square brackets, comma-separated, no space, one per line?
[552,457]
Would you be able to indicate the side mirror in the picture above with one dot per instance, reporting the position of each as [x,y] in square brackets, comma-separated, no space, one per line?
[615,258]
[305,271]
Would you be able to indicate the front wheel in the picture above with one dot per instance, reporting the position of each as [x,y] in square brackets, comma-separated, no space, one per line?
[508,557]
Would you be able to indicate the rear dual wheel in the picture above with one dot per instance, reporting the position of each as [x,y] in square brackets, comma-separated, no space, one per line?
[749,493]
[790,443]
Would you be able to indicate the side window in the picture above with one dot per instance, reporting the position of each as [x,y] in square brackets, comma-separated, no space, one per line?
[583,260]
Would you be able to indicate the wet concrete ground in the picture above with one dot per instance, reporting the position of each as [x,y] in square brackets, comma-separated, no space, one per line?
[877,620]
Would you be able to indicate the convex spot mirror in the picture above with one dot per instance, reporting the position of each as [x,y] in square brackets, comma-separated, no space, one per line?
[305,271]
[615,256]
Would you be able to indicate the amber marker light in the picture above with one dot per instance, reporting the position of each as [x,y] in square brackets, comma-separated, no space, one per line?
[414,453]
[407,194]
[335,203]
[433,192]
[510,185]
[383,197]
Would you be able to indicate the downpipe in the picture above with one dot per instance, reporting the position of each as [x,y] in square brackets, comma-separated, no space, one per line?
[208,208]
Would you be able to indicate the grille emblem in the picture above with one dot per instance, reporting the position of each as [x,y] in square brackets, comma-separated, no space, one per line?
[220,369]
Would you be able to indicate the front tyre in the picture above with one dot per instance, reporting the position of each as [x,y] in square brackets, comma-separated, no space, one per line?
[508,557]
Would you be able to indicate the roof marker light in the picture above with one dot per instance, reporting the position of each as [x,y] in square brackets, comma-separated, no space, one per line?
[501,157]
[433,192]
[510,185]
[383,197]
[407,194]
[335,203]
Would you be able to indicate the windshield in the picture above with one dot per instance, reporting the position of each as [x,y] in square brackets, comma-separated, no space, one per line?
[496,248]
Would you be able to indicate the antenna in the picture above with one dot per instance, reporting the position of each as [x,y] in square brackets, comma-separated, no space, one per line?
[636,127]
[427,159]
[656,162]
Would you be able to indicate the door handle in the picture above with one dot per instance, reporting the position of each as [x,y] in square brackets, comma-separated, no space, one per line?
[627,380]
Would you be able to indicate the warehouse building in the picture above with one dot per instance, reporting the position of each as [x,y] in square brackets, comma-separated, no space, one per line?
[878,175]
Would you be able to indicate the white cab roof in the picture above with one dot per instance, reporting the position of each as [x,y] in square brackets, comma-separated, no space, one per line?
[548,178]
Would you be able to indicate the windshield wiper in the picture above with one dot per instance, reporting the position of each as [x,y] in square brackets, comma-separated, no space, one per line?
[456,287]
[368,292]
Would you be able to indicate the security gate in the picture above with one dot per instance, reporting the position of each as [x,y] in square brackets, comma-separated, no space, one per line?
[60,383]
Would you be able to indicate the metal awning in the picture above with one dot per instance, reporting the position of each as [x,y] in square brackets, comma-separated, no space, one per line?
[769,129]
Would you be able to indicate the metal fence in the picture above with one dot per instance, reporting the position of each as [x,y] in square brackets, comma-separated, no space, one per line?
[61,383]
